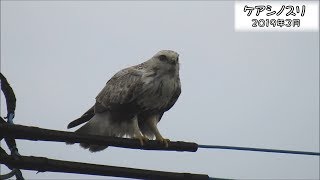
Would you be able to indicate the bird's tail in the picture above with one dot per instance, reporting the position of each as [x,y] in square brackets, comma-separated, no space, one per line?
[106,124]
[99,124]
[84,118]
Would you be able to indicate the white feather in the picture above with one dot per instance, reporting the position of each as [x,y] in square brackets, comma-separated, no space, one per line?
[102,124]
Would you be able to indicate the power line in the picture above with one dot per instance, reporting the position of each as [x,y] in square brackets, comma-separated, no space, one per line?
[259,150]
[43,164]
[11,106]
[35,133]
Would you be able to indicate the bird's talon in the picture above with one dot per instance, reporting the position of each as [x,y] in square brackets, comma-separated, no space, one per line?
[142,139]
[164,141]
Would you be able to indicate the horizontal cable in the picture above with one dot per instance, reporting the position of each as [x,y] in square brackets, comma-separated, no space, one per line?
[36,134]
[42,164]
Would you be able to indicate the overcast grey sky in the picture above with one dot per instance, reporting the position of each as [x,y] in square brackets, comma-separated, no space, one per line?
[240,89]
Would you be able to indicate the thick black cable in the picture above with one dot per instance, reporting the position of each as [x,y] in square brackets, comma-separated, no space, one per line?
[9,95]
[8,175]
[11,107]
[259,150]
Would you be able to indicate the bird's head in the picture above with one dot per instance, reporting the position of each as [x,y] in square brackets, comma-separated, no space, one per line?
[165,62]
[167,57]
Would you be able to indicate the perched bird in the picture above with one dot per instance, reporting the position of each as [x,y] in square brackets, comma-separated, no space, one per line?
[133,101]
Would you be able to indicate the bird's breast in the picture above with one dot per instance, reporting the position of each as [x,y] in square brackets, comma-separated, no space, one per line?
[158,92]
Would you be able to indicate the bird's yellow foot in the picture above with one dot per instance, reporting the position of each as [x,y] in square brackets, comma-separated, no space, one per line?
[163,141]
[142,139]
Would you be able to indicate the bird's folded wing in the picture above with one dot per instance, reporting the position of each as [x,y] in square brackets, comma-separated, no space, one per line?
[123,88]
[175,96]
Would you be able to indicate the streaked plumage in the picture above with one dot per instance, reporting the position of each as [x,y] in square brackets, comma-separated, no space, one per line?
[134,100]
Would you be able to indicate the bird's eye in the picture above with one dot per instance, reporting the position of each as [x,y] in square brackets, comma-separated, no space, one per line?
[163,58]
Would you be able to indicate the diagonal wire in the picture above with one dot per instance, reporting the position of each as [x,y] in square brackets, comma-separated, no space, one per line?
[259,150]
[9,175]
